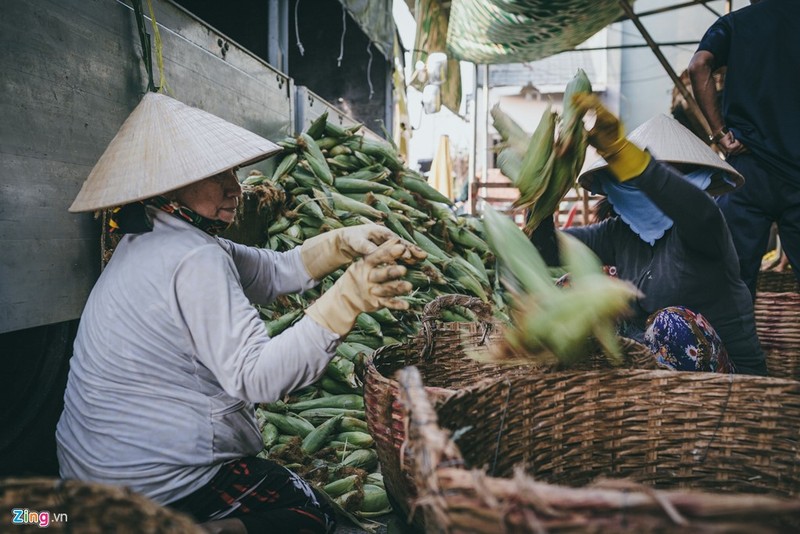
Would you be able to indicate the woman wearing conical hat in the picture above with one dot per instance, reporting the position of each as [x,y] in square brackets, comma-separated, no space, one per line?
[171,355]
[668,237]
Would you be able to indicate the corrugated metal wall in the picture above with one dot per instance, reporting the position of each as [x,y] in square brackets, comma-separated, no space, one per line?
[71,74]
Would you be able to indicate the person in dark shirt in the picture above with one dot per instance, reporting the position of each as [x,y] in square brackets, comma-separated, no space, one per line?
[756,125]
[670,240]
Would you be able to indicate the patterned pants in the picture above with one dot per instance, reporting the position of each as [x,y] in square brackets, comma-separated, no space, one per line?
[684,341]
[265,496]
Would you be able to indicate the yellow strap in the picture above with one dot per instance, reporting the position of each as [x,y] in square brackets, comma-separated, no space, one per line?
[162,82]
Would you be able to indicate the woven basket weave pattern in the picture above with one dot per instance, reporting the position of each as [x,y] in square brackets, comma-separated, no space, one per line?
[454,499]
[440,355]
[778,326]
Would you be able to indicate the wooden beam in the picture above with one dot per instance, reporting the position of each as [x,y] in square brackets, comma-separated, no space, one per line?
[694,109]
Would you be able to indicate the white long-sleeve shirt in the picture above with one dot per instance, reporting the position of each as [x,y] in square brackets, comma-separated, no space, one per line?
[171,355]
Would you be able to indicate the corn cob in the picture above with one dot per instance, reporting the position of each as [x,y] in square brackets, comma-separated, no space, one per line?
[285,166]
[346,401]
[366,459]
[283,322]
[316,439]
[315,159]
[319,415]
[357,438]
[375,499]
[342,486]
[344,203]
[317,127]
[424,189]
[352,185]
[290,423]
[269,435]
[533,173]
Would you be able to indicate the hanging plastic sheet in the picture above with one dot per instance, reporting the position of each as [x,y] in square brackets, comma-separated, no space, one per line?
[518,31]
[375,19]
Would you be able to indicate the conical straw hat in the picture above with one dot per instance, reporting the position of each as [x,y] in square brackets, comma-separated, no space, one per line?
[670,141]
[164,145]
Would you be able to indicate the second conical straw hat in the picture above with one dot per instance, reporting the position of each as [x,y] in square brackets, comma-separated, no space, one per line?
[164,145]
[670,141]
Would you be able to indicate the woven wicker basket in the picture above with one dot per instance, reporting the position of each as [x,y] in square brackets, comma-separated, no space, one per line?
[439,354]
[657,428]
[778,326]
[75,506]
[776,282]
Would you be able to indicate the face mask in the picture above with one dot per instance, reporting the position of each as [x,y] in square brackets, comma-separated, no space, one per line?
[638,211]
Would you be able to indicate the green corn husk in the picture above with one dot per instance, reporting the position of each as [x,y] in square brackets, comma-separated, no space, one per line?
[283,322]
[285,166]
[424,189]
[342,486]
[342,202]
[343,370]
[315,159]
[316,439]
[359,439]
[351,185]
[317,127]
[320,415]
[368,324]
[366,459]
[375,499]
[289,423]
[534,172]
[347,401]
[269,434]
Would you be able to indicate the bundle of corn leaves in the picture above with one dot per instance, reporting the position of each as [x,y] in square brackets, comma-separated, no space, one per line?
[550,324]
[328,177]
[544,166]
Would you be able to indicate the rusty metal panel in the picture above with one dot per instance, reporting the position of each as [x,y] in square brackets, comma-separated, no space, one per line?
[309,106]
[72,72]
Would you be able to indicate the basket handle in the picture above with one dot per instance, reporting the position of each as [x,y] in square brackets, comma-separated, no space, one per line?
[428,445]
[432,311]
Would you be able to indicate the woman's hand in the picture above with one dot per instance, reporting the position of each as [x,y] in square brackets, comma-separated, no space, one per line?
[326,252]
[369,284]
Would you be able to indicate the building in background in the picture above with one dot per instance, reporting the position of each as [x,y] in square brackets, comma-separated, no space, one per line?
[620,65]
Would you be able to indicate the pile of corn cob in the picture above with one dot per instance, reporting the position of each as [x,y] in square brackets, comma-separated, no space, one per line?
[554,325]
[328,177]
[544,166]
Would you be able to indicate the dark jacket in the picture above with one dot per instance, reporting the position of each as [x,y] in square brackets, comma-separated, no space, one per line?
[693,265]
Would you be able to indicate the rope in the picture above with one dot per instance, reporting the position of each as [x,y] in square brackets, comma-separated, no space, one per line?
[297,29]
[144,37]
[162,80]
[341,42]
[369,70]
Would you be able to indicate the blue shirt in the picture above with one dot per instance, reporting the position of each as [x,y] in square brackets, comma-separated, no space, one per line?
[760,46]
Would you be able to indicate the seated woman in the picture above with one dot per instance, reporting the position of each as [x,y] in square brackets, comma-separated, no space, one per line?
[670,240]
[171,355]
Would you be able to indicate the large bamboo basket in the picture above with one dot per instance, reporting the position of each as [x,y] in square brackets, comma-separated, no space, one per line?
[778,326]
[439,352]
[776,282]
[543,437]
[75,506]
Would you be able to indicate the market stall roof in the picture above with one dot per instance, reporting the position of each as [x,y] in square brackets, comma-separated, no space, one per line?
[515,31]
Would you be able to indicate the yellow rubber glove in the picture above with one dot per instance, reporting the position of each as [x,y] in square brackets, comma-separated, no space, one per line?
[369,284]
[326,252]
[624,159]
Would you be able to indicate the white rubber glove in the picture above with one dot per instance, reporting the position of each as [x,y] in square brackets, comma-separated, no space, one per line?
[326,252]
[367,285]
